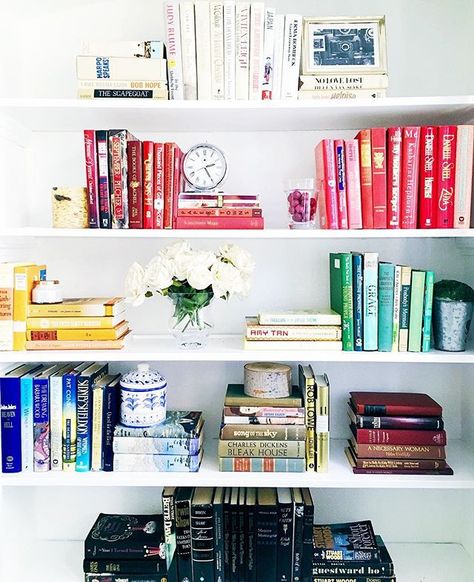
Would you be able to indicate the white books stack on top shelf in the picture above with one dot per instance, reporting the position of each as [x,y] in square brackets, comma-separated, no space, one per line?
[229,49]
[217,49]
[242,48]
[203,49]
[188,44]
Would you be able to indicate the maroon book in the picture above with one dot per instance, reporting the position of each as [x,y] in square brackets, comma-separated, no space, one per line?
[379,176]
[385,436]
[394,404]
[135,183]
[397,451]
[398,464]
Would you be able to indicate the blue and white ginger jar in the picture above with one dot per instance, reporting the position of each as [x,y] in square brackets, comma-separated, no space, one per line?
[143,397]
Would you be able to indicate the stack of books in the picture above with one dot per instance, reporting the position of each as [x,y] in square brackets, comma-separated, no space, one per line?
[384,307]
[350,551]
[175,445]
[400,177]
[238,533]
[122,69]
[300,330]
[262,434]
[95,323]
[397,433]
[343,85]
[126,548]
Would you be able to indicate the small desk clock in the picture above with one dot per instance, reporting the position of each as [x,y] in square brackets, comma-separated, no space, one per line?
[204,167]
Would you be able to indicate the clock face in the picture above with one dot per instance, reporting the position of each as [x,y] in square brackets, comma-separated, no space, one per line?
[204,167]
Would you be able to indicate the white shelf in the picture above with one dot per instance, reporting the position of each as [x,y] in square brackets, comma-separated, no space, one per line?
[74,114]
[228,348]
[339,476]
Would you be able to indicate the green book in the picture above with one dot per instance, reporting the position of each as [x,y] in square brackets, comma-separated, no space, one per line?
[416,310]
[341,297]
[385,315]
[427,311]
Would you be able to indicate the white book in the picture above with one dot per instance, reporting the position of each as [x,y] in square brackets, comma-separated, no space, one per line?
[120,68]
[229,49]
[300,317]
[173,50]
[267,60]
[242,48]
[97,421]
[217,49]
[397,278]
[56,419]
[153,49]
[203,49]
[278,55]
[27,422]
[257,22]
[291,56]
[188,46]
[319,345]
[463,183]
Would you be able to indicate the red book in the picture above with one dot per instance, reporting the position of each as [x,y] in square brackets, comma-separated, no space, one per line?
[118,139]
[135,184]
[354,207]
[447,135]
[158,183]
[326,184]
[365,159]
[394,175]
[394,404]
[409,193]
[428,170]
[90,148]
[384,436]
[219,222]
[148,176]
[398,451]
[379,175]
[177,183]
[169,165]
[224,211]
[341,183]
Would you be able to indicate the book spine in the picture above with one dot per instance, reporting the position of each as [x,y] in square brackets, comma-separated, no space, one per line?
[27,424]
[354,208]
[169,158]
[251,533]
[120,68]
[183,540]
[158,86]
[262,448]
[90,148]
[119,567]
[327,82]
[173,50]
[242,34]
[416,311]
[69,421]
[358,294]
[330,188]
[224,212]
[203,49]
[464,174]
[202,542]
[105,214]
[397,277]
[234,541]
[75,345]
[188,46]
[157,446]
[217,49]
[264,411]
[446,176]
[405,300]
[307,562]
[400,422]
[148,189]
[110,418]
[6,306]
[177,183]
[56,423]
[10,433]
[394,176]
[219,222]
[97,428]
[427,311]
[75,334]
[90,93]
[126,578]
[427,179]
[227,535]
[23,280]
[257,420]
[369,436]
[81,322]
[411,451]
[347,303]
[385,300]
[241,552]
[229,49]
[341,184]
[379,176]
[399,410]
[345,555]
[84,424]
[285,542]
[283,433]
[152,463]
[262,465]
[218,516]
[278,55]
[135,184]
[118,173]
[370,301]
[257,23]
[258,333]
[266,542]
[342,94]
[298,520]
[169,523]
[268,66]
[409,189]
[291,56]
[310,423]
[158,186]
[41,429]
[365,160]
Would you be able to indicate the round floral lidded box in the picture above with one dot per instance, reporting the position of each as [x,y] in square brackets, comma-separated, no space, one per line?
[143,397]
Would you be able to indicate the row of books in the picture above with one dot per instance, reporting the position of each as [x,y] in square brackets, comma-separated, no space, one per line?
[400,177]
[396,433]
[383,306]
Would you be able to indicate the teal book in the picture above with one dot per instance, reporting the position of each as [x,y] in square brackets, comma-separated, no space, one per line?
[370,286]
[427,311]
[341,295]
[416,310]
[385,323]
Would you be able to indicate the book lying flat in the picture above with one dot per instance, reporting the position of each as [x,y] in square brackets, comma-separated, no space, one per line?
[259,332]
[300,317]
[55,322]
[83,307]
[266,465]
[394,404]
[322,345]
[177,424]
[165,463]
[113,333]
[345,542]
[235,396]
[77,345]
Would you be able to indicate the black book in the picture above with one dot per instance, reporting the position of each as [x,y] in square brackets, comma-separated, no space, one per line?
[267,530]
[123,578]
[234,535]
[218,508]
[169,520]
[126,567]
[308,517]
[202,534]
[285,535]
[298,517]
[182,505]
[110,417]
[354,579]
[125,537]
[227,534]
[241,549]
[345,541]
[250,533]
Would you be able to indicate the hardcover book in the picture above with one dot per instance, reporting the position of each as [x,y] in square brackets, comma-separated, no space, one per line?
[218,517]
[416,311]
[56,417]
[160,445]
[62,335]
[27,449]
[447,137]
[123,578]
[345,542]
[354,204]
[265,413]
[395,404]
[405,297]
[105,405]
[341,295]
[120,567]
[308,516]
[300,317]
[203,49]
[428,170]
[326,184]
[242,24]
[397,422]
[262,448]
[92,179]
[169,525]
[274,432]
[146,188]
[25,278]
[69,416]
[173,51]
[370,301]
[118,168]
[307,386]
[285,535]
[150,463]
[229,49]
[251,533]
[257,23]
[178,425]
[358,296]
[400,470]
[261,465]
[267,71]
[84,307]
[80,322]
[379,436]
[427,311]
[202,534]
[235,396]
[397,285]
[379,176]
[120,68]
[266,534]
[365,160]
[409,189]
[322,422]
[183,499]
[257,332]
[291,56]
[188,47]
[158,185]
[217,49]
[463,178]
[397,451]
[135,183]
[385,315]
[263,420]
[298,544]
[394,176]
[341,183]
[105,213]
[396,464]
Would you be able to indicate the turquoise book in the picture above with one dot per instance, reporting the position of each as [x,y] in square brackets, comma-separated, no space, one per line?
[385,315]
[370,286]
[427,311]
[416,311]
[341,295]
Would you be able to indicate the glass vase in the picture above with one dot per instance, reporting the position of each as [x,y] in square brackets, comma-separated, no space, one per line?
[190,323]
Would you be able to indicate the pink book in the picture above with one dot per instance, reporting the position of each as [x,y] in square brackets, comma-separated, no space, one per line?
[365,159]
[394,176]
[177,183]
[464,169]
[159,185]
[354,206]
[379,176]
[409,193]
[219,222]
[428,169]
[446,173]
[90,149]
[326,184]
[341,183]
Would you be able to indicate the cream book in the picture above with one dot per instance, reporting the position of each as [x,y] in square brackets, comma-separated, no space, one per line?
[300,317]
[78,334]
[83,307]
[319,345]
[77,345]
[88,323]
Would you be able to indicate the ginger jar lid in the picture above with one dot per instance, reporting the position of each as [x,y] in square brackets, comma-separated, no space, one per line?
[143,378]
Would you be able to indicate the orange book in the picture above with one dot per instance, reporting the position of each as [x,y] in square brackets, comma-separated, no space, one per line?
[24,280]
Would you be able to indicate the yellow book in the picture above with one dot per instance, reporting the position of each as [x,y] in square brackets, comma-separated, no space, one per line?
[97,408]
[7,283]
[56,323]
[77,334]
[82,307]
[24,279]
[77,345]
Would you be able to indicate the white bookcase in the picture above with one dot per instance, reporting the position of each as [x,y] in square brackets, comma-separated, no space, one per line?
[427,521]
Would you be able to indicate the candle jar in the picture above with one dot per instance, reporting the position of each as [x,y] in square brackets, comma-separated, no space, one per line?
[301,200]
[143,397]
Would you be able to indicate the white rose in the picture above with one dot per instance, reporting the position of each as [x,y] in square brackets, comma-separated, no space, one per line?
[204,258]
[181,265]
[135,284]
[200,277]
[175,250]
[158,274]
[227,280]
[240,258]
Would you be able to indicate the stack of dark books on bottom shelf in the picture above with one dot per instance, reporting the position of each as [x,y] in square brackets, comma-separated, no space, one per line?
[397,433]
[125,548]
[350,552]
[175,445]
[237,533]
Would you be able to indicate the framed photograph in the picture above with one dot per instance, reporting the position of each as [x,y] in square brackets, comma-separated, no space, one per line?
[355,45]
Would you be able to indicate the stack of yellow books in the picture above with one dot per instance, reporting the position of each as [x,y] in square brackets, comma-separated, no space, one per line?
[77,324]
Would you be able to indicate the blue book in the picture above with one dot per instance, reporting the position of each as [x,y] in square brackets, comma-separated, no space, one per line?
[357,268]
[110,418]
[27,457]
[427,311]
[370,301]
[85,383]
[385,291]
[69,417]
